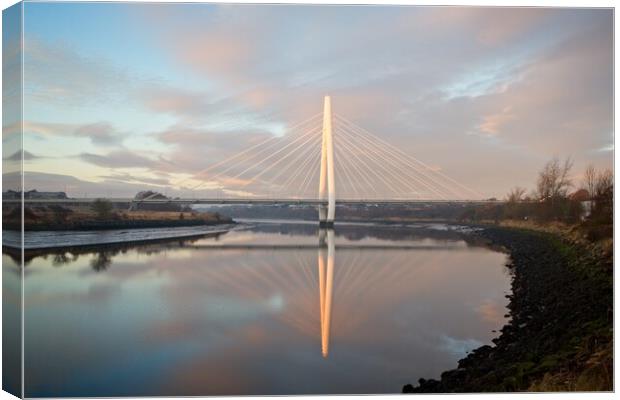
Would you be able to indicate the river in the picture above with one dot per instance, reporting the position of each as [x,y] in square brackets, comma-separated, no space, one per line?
[265,309]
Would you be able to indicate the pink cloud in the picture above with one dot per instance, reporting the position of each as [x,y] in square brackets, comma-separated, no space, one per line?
[492,124]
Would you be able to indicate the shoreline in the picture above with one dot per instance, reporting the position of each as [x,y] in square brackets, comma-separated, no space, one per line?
[104,247]
[560,333]
[95,225]
[146,238]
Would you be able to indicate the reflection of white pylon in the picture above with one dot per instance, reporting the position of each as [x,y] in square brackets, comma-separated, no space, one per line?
[326,179]
[326,280]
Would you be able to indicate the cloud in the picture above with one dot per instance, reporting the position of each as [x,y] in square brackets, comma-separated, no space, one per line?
[109,186]
[99,133]
[470,89]
[59,74]
[223,52]
[609,147]
[120,159]
[193,149]
[77,188]
[17,156]
[488,26]
[129,178]
[492,124]
[174,101]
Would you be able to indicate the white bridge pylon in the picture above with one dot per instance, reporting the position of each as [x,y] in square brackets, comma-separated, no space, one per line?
[327,182]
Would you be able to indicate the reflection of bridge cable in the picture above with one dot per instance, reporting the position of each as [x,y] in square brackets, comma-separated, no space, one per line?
[359,281]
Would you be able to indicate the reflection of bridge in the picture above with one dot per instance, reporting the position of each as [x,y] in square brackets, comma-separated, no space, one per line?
[328,287]
[327,254]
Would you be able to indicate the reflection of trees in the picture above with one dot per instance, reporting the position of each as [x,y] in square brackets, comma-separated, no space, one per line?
[63,258]
[102,261]
[378,231]
[68,255]
[14,255]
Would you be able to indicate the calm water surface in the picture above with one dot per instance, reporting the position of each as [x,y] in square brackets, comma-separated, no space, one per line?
[260,310]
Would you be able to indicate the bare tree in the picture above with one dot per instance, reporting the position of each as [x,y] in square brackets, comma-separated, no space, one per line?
[516,194]
[553,180]
[602,210]
[589,181]
[604,183]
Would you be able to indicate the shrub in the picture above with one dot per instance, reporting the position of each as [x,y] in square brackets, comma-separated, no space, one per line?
[102,208]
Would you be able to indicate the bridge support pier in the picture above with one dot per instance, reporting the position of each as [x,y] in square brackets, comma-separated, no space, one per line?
[324,222]
[327,184]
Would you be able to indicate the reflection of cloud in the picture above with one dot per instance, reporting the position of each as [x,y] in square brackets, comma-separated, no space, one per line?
[95,294]
[235,313]
[491,312]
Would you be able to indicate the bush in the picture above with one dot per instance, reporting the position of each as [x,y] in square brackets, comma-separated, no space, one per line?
[60,213]
[102,208]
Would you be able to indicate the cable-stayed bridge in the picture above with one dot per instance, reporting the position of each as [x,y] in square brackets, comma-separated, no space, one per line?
[349,165]
[323,160]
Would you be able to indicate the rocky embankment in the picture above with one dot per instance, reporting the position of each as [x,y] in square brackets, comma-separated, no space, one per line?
[560,336]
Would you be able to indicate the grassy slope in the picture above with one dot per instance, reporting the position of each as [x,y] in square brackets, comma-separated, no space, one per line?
[560,336]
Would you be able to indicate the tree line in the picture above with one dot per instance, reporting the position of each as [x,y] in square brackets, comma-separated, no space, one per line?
[557,197]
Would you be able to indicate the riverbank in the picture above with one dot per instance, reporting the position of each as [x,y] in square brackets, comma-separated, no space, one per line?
[81,220]
[560,336]
[47,240]
[152,244]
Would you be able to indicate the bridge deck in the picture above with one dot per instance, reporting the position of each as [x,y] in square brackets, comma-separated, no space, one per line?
[232,201]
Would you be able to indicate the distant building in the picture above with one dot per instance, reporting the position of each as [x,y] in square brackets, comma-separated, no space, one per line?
[580,195]
[34,194]
[583,196]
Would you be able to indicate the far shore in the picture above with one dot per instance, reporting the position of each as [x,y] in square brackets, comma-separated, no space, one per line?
[83,220]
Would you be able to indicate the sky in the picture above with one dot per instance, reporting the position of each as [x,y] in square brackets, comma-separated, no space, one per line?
[122,97]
